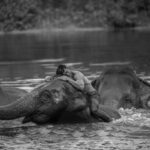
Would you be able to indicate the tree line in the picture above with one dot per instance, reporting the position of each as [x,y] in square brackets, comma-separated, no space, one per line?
[29,14]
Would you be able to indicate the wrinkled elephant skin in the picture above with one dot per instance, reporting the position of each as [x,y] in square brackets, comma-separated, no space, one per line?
[10,94]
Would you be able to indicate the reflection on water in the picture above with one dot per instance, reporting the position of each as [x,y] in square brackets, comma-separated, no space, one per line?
[25,52]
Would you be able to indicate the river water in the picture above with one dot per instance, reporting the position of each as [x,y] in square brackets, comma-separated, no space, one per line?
[26,58]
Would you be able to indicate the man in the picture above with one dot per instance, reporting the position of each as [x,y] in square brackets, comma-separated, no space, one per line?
[76,78]
[81,82]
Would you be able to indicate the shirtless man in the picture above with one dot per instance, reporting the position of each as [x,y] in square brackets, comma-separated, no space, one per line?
[81,82]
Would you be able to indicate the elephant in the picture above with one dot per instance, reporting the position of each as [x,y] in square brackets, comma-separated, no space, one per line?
[51,101]
[121,87]
[10,94]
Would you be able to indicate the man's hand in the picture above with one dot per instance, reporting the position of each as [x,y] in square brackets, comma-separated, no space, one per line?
[48,78]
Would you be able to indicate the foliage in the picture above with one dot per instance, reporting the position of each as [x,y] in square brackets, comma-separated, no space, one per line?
[25,14]
[17,14]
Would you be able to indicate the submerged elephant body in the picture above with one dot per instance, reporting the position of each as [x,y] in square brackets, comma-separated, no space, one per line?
[120,87]
[50,102]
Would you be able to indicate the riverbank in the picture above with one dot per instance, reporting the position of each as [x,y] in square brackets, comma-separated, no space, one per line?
[69,29]
[26,15]
[72,29]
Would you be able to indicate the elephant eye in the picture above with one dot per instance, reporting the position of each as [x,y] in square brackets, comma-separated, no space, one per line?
[45,96]
[127,98]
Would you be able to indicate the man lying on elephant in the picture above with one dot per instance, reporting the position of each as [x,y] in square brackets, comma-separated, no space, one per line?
[81,82]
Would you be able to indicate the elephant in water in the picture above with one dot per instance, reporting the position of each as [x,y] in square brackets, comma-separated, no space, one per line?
[120,87]
[50,102]
[10,94]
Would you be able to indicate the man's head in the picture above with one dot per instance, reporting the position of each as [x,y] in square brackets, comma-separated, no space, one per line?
[62,70]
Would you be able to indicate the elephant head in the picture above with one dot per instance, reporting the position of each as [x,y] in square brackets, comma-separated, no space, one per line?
[45,103]
[48,102]
[120,87]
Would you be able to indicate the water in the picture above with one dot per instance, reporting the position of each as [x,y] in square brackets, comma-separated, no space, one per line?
[34,55]
[25,59]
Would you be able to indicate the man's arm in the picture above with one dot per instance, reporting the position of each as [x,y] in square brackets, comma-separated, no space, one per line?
[50,78]
[79,83]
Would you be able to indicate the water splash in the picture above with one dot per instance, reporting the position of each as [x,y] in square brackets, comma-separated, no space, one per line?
[134,117]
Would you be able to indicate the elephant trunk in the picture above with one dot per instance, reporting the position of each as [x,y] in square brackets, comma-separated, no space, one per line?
[23,106]
[19,108]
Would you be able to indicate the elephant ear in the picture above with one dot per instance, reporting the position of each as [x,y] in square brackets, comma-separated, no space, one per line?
[130,72]
[96,82]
